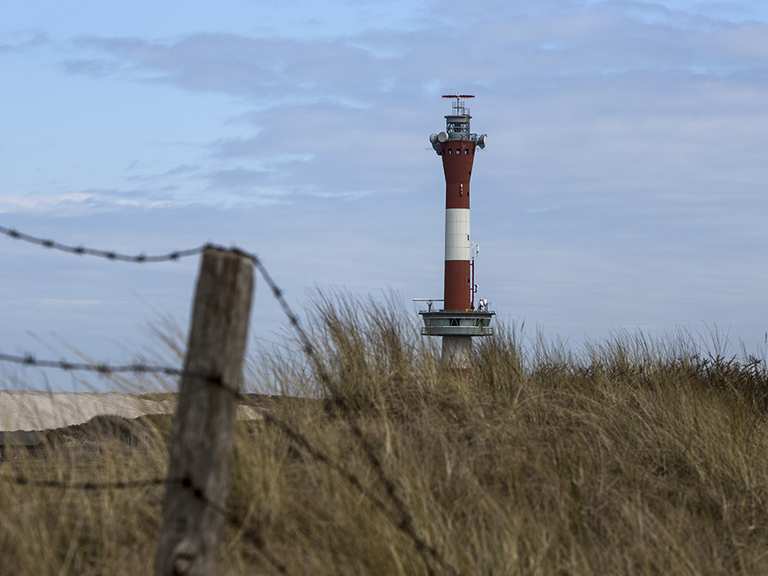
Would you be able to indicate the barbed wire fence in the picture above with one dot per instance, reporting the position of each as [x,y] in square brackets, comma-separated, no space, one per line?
[186,483]
[398,513]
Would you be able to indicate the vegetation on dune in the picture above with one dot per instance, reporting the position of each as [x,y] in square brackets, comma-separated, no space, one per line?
[634,457]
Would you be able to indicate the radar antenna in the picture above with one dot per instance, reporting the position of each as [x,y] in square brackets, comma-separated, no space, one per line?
[458,106]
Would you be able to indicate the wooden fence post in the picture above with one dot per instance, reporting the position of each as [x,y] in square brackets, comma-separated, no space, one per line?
[201,440]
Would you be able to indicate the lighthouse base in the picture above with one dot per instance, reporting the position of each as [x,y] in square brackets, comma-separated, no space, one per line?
[457,330]
[457,351]
[446,323]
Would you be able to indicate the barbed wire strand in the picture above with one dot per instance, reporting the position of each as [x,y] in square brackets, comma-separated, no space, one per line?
[186,483]
[106,254]
[406,522]
[103,369]
[87,486]
[290,432]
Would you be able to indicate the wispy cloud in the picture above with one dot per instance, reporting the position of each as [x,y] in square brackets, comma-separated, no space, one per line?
[259,67]
[22,41]
[578,92]
[180,170]
[73,203]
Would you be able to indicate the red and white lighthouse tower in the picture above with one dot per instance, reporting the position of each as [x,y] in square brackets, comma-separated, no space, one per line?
[460,319]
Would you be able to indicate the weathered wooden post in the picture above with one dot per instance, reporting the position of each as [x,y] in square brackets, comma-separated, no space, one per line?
[202,434]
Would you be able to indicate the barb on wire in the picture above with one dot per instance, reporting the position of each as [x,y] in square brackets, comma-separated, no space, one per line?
[107,254]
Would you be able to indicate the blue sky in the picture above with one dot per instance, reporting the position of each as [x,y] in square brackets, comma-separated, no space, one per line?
[623,187]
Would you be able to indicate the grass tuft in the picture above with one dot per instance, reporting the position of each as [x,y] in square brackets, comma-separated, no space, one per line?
[634,456]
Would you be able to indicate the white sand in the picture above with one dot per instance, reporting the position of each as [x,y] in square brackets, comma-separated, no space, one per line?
[43,411]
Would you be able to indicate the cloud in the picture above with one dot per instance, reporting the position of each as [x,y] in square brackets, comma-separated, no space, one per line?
[637,119]
[260,68]
[180,170]
[224,189]
[95,68]
[21,42]
[89,201]
[236,178]
[511,48]
[584,102]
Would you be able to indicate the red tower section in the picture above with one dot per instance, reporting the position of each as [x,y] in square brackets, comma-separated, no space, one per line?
[458,156]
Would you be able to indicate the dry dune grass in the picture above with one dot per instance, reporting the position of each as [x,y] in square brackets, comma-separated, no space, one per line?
[634,458]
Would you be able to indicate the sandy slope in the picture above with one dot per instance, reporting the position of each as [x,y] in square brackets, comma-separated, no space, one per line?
[43,411]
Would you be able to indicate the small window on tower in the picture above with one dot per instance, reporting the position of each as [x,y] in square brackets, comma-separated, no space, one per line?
[466,151]
[450,151]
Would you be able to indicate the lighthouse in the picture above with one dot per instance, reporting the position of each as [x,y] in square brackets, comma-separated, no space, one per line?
[461,318]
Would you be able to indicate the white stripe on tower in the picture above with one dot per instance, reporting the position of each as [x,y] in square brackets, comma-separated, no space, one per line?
[457,234]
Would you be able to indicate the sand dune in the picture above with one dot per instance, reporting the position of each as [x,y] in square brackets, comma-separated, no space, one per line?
[44,411]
